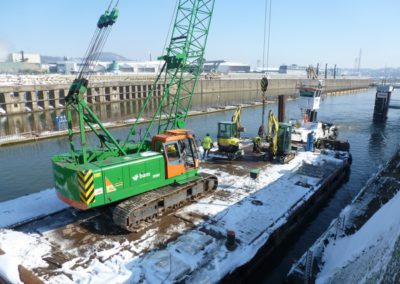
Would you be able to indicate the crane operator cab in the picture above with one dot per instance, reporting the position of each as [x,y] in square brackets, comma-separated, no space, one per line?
[179,149]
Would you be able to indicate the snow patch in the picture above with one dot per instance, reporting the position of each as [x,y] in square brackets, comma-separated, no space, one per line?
[22,248]
[9,269]
[379,234]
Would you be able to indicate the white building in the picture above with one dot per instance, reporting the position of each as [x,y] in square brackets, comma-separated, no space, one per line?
[25,57]
[293,69]
[140,67]
[67,67]
[225,67]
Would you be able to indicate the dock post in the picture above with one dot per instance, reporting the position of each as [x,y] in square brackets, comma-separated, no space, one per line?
[382,102]
[22,101]
[34,100]
[281,108]
[102,96]
[56,98]
[46,99]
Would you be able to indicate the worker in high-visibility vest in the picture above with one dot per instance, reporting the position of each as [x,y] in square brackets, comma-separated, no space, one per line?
[207,144]
[257,141]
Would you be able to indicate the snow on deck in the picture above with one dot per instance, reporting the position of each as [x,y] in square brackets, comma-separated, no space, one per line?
[253,209]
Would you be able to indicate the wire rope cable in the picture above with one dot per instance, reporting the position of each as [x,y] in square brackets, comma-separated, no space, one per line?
[269,31]
[267,34]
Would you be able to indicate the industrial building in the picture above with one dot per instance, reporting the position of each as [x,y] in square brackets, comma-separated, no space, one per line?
[135,67]
[20,62]
[25,57]
[293,69]
[225,67]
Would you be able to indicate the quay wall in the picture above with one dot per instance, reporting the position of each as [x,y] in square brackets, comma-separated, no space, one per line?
[208,92]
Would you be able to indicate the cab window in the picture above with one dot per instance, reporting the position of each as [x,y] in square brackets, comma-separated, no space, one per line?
[172,151]
[224,130]
[158,147]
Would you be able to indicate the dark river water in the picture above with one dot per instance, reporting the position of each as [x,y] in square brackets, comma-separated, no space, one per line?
[26,168]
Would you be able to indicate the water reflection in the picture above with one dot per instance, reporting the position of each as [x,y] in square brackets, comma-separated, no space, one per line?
[38,122]
[377,141]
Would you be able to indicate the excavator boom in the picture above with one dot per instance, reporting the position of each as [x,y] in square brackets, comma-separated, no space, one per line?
[272,132]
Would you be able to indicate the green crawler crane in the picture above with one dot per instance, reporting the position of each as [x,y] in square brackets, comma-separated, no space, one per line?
[155,174]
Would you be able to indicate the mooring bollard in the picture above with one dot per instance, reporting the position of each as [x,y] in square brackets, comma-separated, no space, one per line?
[230,240]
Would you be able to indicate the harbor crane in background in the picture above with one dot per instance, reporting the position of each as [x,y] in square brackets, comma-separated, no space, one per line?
[311,73]
[141,179]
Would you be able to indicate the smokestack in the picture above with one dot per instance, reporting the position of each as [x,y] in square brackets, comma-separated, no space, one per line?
[334,72]
[326,70]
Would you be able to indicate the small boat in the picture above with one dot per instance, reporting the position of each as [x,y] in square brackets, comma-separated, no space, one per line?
[322,130]
[309,102]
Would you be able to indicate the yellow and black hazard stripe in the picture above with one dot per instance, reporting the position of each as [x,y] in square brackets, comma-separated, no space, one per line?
[86,186]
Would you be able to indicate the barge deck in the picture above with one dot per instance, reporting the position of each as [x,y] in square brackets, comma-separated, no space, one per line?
[187,245]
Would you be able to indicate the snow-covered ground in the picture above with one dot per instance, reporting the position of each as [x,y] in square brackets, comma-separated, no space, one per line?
[252,208]
[14,137]
[52,79]
[364,257]
[11,80]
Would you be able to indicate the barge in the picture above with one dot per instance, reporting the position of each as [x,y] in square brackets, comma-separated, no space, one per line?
[205,241]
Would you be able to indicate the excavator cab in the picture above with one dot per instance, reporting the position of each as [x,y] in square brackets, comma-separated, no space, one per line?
[179,149]
[228,136]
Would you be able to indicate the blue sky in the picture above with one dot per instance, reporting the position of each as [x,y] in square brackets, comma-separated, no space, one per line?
[303,32]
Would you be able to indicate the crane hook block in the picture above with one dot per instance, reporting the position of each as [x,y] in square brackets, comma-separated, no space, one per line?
[264,84]
[108,19]
[113,16]
[103,20]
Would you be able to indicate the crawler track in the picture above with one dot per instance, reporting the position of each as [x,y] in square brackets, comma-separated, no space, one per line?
[139,212]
